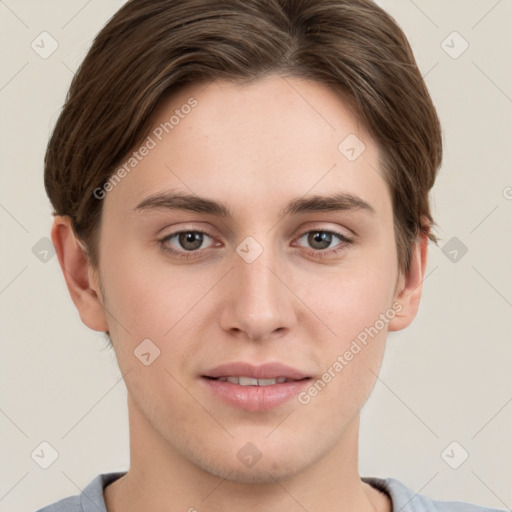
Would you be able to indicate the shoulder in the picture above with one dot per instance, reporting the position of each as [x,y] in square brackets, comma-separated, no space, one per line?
[407,500]
[89,500]
[71,504]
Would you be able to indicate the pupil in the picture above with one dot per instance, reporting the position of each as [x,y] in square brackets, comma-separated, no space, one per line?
[190,241]
[322,237]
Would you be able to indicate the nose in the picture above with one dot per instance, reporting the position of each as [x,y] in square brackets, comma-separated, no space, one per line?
[259,303]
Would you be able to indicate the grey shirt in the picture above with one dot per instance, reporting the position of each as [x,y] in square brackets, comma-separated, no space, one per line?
[403,499]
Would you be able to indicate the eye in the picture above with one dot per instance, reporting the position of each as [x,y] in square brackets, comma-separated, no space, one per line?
[320,241]
[190,243]
[184,243]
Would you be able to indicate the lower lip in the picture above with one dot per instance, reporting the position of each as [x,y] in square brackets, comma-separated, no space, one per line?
[256,398]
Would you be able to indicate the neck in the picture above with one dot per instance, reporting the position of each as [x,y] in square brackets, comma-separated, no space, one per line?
[161,478]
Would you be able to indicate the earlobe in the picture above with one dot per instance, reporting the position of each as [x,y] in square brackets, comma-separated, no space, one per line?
[409,288]
[79,276]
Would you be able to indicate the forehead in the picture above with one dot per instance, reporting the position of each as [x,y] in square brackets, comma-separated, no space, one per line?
[269,139]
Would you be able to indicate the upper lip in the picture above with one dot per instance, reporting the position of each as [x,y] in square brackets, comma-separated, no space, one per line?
[264,371]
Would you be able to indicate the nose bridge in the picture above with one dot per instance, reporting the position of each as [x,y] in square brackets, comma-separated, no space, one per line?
[256,279]
[261,303]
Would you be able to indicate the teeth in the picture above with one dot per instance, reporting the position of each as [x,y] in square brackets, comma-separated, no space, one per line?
[251,381]
[246,381]
[266,382]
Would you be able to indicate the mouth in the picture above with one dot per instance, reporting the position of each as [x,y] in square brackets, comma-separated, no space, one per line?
[251,381]
[255,388]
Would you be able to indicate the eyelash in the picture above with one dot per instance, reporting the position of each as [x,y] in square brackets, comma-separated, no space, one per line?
[322,253]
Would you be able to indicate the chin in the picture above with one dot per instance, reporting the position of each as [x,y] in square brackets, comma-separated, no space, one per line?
[267,470]
[265,473]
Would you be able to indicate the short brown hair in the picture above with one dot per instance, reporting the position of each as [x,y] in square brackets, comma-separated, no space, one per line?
[152,47]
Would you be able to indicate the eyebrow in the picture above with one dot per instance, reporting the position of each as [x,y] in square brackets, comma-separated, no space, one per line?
[336,202]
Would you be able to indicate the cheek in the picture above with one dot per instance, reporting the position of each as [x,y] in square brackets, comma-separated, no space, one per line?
[351,362]
[351,298]
[356,304]
[155,301]
[137,291]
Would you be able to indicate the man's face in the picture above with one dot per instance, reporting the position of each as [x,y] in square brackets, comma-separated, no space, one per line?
[267,284]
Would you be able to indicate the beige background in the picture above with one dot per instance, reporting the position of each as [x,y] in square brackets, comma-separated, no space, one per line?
[446,378]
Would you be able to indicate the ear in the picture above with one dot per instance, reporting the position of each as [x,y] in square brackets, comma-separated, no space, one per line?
[81,277]
[409,287]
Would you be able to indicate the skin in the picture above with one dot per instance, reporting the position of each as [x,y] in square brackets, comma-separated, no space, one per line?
[254,147]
